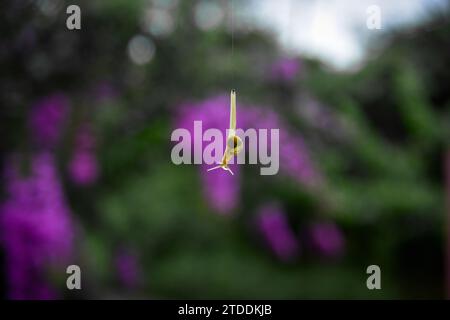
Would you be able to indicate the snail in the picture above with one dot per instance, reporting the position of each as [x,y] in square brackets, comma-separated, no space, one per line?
[234,143]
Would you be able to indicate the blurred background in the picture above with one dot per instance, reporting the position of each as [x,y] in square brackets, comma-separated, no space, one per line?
[85,123]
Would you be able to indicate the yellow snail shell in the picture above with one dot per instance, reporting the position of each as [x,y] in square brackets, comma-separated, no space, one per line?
[234,144]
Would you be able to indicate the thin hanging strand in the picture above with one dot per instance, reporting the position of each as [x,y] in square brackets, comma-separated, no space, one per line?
[232,42]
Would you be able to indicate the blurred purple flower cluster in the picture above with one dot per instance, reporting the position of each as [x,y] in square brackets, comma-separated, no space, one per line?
[83,167]
[285,70]
[47,119]
[36,228]
[324,238]
[220,188]
[274,226]
[327,239]
[127,269]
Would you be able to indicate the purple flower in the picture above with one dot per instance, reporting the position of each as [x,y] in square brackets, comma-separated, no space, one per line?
[47,118]
[324,119]
[275,228]
[127,269]
[285,69]
[83,166]
[295,161]
[221,189]
[36,228]
[327,239]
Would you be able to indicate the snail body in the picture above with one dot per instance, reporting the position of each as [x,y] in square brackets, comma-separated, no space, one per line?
[234,143]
